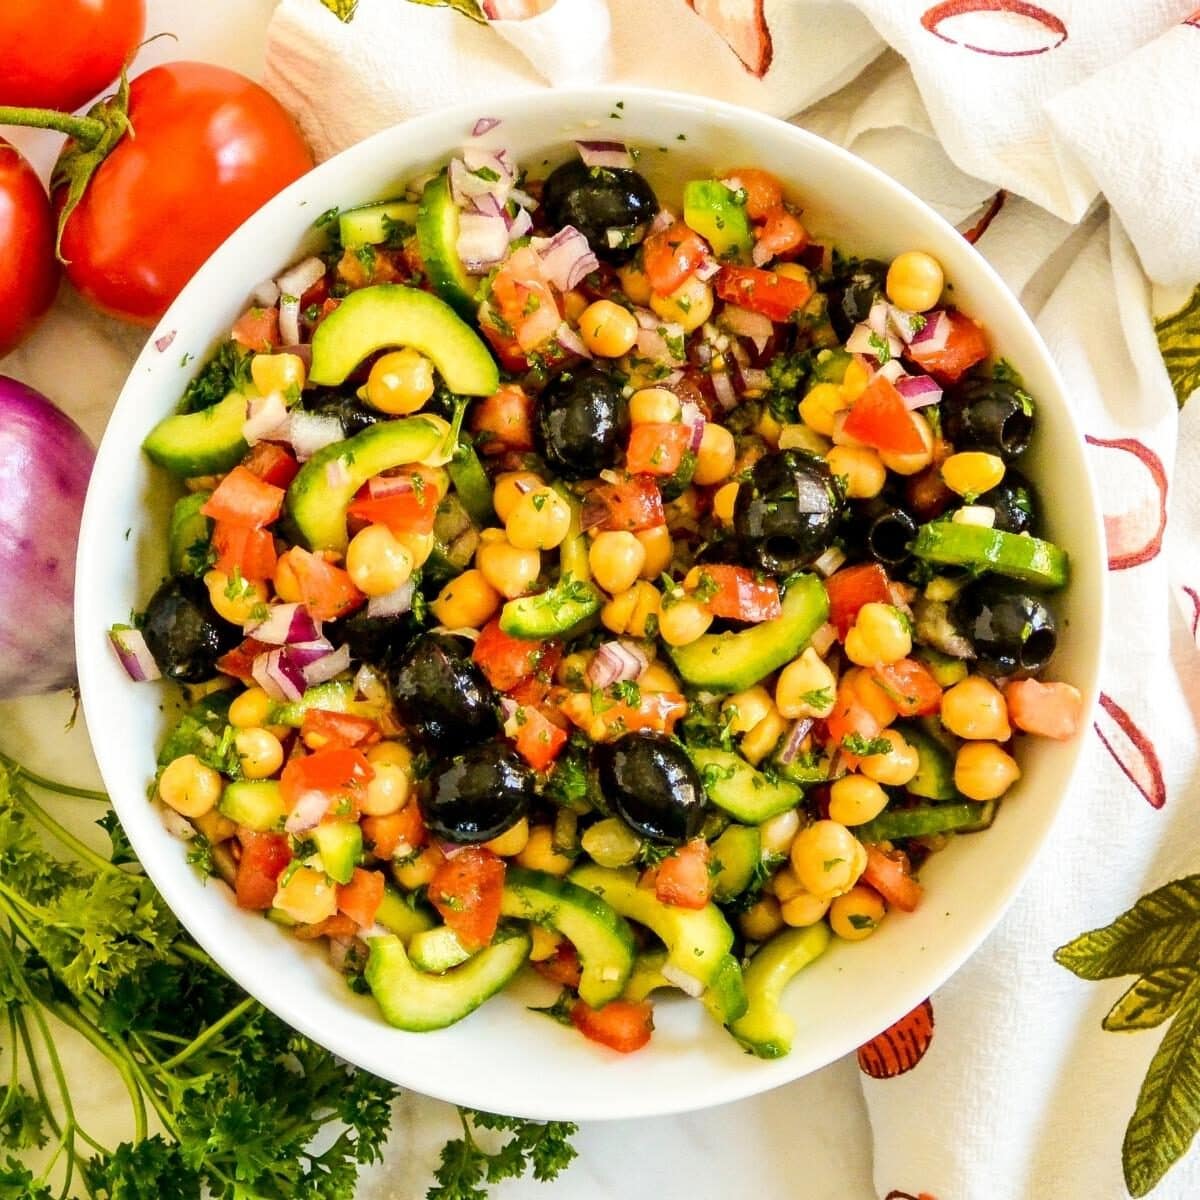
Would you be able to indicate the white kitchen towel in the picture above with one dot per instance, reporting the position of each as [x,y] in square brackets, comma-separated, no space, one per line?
[1003,1085]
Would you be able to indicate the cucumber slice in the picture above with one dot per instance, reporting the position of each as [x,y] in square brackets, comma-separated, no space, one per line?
[725,997]
[946,670]
[646,976]
[765,1029]
[732,662]
[472,485]
[455,542]
[437,950]
[371,224]
[831,365]
[745,794]
[208,442]
[200,731]
[717,214]
[390,314]
[557,612]
[734,856]
[256,804]
[601,936]
[412,1000]
[189,536]
[1017,555]
[927,820]
[400,917]
[340,846]
[934,779]
[437,240]
[335,696]
[697,940]
[573,553]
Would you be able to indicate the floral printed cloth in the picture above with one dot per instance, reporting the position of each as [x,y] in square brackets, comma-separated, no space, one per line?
[1002,1085]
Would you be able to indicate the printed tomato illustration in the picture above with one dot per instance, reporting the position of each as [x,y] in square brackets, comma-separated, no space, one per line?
[899,1047]
[1135,479]
[1005,28]
[1132,751]
[743,26]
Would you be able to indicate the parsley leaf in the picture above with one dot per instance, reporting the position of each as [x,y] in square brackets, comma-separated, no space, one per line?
[863,747]
[225,372]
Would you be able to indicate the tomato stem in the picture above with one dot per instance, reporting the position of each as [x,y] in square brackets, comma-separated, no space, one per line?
[85,130]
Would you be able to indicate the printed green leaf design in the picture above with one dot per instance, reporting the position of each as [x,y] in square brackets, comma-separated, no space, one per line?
[1179,344]
[1161,930]
[342,9]
[1150,1001]
[1167,1114]
[468,8]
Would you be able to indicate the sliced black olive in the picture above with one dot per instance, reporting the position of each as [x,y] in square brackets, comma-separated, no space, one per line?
[442,694]
[1015,503]
[988,414]
[786,514]
[582,419]
[852,293]
[651,783]
[479,795]
[611,207]
[889,536]
[354,415]
[183,631]
[373,640]
[1012,631]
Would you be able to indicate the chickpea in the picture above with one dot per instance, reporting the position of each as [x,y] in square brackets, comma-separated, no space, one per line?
[745,709]
[975,710]
[910,464]
[607,329]
[806,687]
[855,800]
[509,569]
[820,405]
[634,283]
[689,305]
[897,766]
[512,841]
[399,383]
[723,503]
[376,561]
[716,456]
[983,771]
[539,853]
[214,826]
[251,708]
[574,305]
[387,791]
[239,601]
[804,909]
[857,914]
[915,281]
[657,678]
[259,752]
[287,586]
[656,541]
[862,469]
[189,787]
[681,623]
[616,560]
[572,671]
[785,884]
[654,406]
[307,896]
[761,920]
[871,696]
[419,545]
[277,372]
[828,858]
[611,843]
[801,437]
[855,381]
[466,602]
[776,835]
[393,753]
[418,870]
[760,741]
[510,487]
[880,634]
[634,612]
[539,520]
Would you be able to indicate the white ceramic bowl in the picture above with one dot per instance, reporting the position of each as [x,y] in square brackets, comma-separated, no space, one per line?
[503,1058]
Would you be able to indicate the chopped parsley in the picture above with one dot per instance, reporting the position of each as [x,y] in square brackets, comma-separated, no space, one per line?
[225,372]
[628,692]
[863,747]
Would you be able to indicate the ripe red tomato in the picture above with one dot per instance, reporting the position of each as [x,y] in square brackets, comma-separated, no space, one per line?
[210,148]
[466,890]
[30,276]
[622,1025]
[63,59]
[264,855]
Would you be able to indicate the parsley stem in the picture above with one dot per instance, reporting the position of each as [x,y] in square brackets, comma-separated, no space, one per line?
[206,1035]
[24,800]
[52,785]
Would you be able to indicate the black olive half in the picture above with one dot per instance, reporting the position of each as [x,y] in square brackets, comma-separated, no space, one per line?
[371,640]
[611,206]
[582,419]
[183,631]
[851,294]
[1015,503]
[889,536]
[988,414]
[651,783]
[354,415]
[479,795]
[441,694]
[786,515]
[1012,631]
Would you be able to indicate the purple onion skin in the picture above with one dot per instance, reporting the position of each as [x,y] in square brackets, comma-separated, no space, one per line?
[45,463]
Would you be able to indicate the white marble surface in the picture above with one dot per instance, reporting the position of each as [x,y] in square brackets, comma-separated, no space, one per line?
[808,1140]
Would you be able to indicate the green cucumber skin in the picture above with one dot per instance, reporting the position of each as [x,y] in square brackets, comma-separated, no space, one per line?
[764,1028]
[255,804]
[397,916]
[367,224]
[726,998]
[436,950]
[737,850]
[208,442]
[710,208]
[437,240]
[549,614]
[1028,559]
[471,484]
[335,696]
[340,846]
[600,935]
[189,527]
[928,820]
[743,792]
[934,779]
[416,1002]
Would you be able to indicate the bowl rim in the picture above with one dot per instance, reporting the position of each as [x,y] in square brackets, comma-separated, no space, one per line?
[175,883]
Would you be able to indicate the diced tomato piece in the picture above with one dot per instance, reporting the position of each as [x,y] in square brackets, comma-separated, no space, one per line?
[257,329]
[326,730]
[763,190]
[622,1025]
[398,834]
[926,494]
[655,710]
[850,715]
[241,548]
[631,506]
[507,660]
[466,891]
[1052,710]
[657,449]
[337,926]
[503,343]
[736,594]
[242,498]
[326,590]
[538,739]
[504,420]
[880,418]
[852,587]
[683,877]
[264,856]
[671,255]
[524,301]
[533,689]
[410,508]
[271,463]
[361,897]
[562,967]
[966,345]
[775,296]
[781,235]
[239,661]
[910,685]
[888,875]
[338,772]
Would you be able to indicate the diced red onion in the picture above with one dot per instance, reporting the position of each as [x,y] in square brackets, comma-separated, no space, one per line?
[570,340]
[614,662]
[519,225]
[653,343]
[483,125]
[755,379]
[691,414]
[162,344]
[482,241]
[523,199]
[681,979]
[339,952]
[134,654]
[830,561]
[286,624]
[289,317]
[867,341]
[823,639]
[327,666]
[800,730]
[392,604]
[337,474]
[708,268]
[177,825]
[298,279]
[451,849]
[749,324]
[464,186]
[380,487]
[566,259]
[308,811]
[370,684]
[893,370]
[918,391]
[936,332]
[877,318]
[488,205]
[903,323]
[266,419]
[266,293]
[310,432]
[276,677]
[663,219]
[723,387]
[614,155]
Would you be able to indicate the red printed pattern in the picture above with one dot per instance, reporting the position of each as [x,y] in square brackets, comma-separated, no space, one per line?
[1135,536]
[899,1047]
[1132,751]
[936,17]
[743,27]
